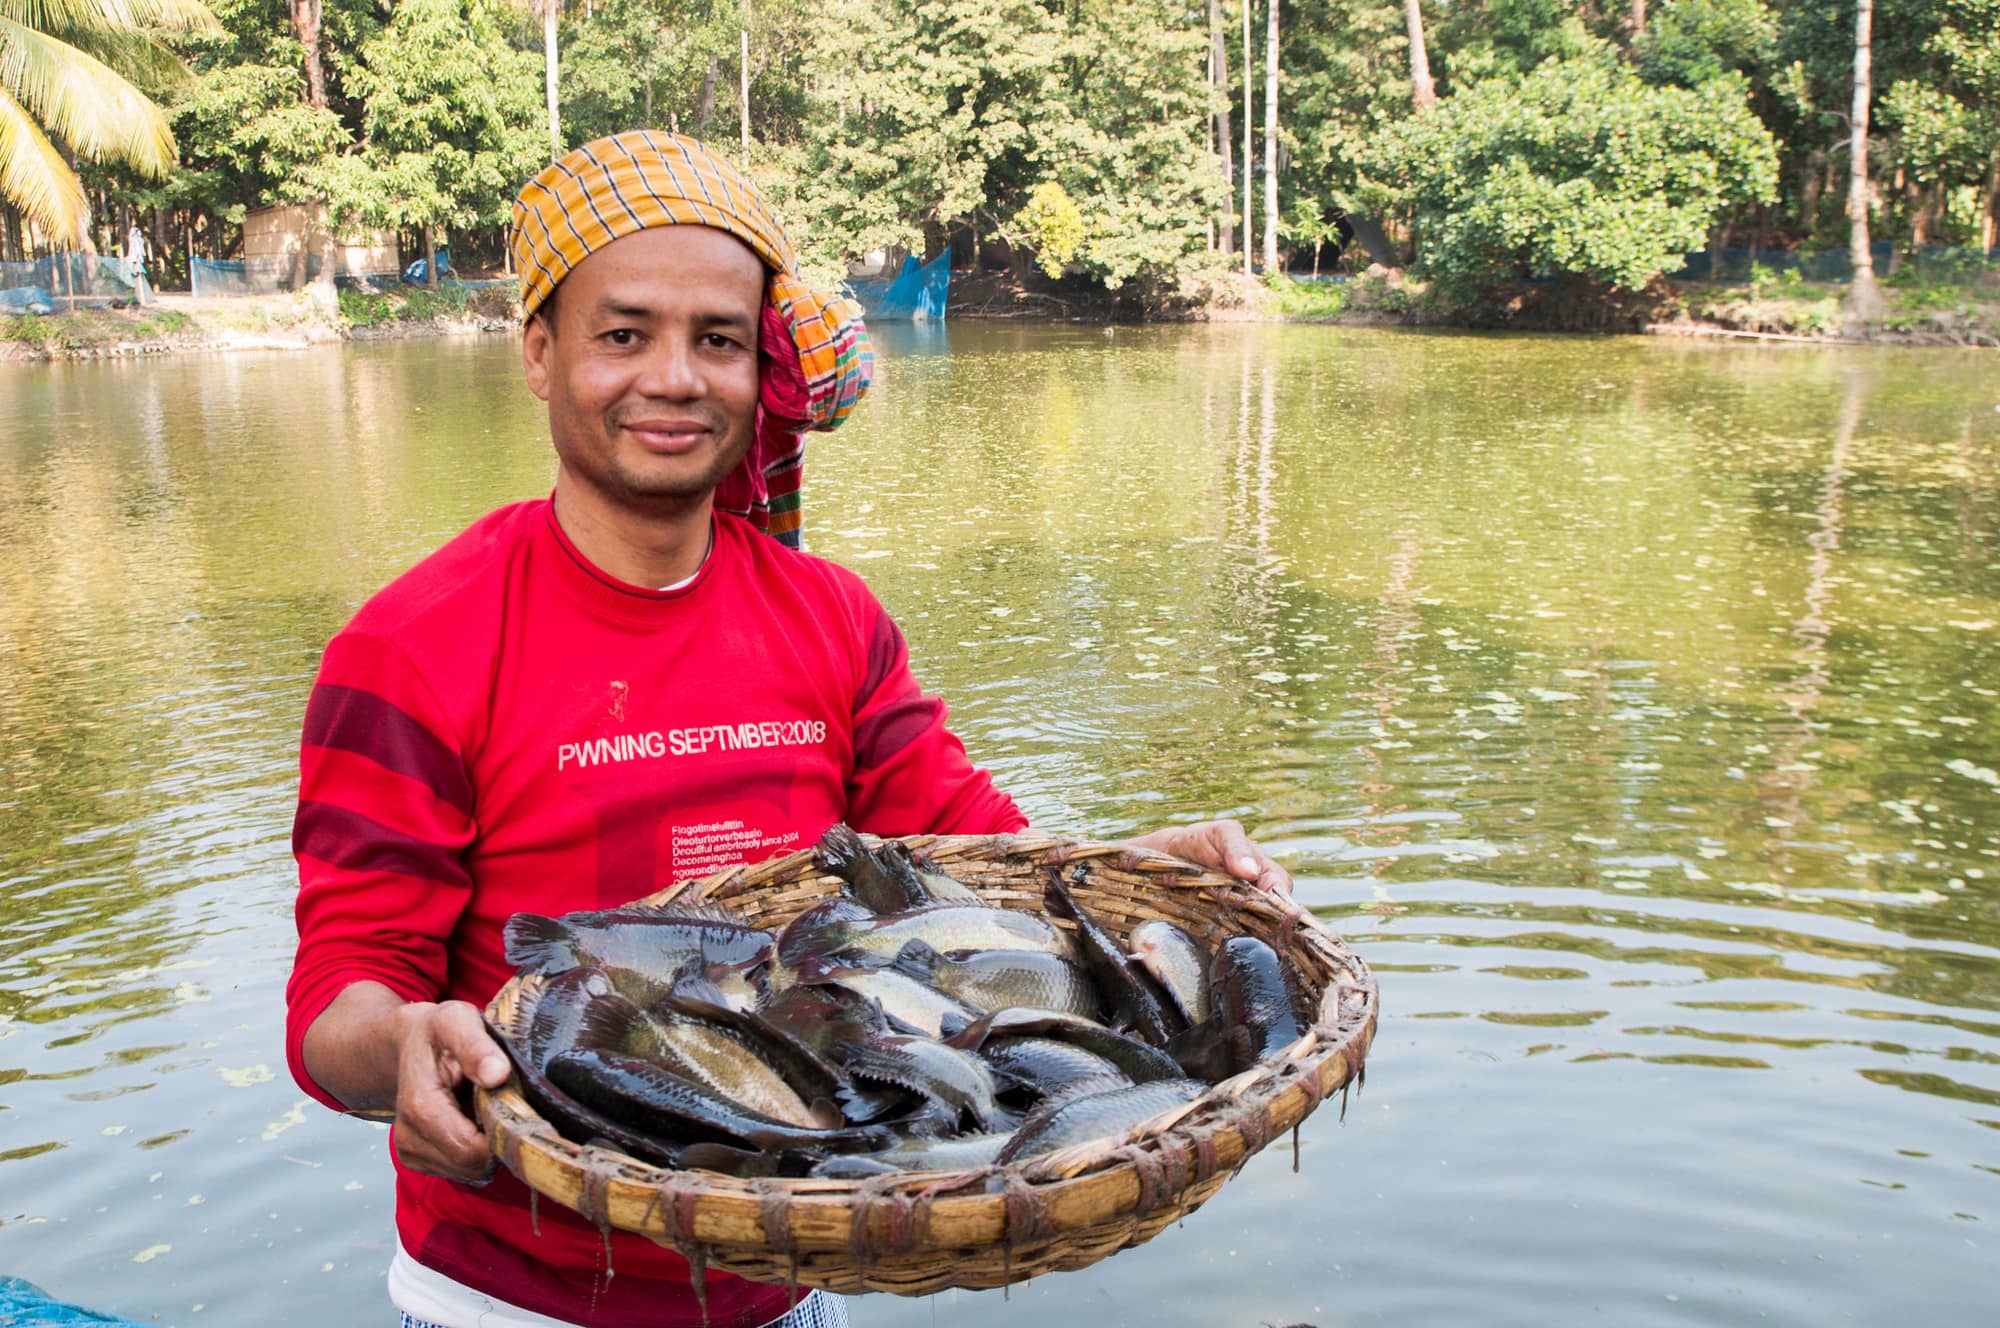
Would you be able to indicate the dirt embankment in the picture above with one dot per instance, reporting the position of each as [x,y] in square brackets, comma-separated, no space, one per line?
[179,323]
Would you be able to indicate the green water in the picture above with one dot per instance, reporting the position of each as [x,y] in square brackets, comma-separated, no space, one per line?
[1634,707]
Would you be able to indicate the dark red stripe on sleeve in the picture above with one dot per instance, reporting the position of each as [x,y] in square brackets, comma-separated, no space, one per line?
[353,842]
[351,720]
[893,727]
[885,654]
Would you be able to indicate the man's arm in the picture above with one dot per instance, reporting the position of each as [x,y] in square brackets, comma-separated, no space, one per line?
[376,1051]
[385,817]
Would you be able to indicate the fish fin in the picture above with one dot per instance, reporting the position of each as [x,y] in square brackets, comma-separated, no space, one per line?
[1088,1086]
[839,849]
[605,1023]
[865,1062]
[917,959]
[960,1033]
[728,1160]
[702,910]
[536,944]
[825,1115]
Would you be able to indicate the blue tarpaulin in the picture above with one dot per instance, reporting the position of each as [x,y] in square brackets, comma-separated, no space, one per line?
[27,300]
[25,1305]
[918,292]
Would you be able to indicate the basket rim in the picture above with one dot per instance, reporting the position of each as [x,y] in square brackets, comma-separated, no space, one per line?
[1165,1157]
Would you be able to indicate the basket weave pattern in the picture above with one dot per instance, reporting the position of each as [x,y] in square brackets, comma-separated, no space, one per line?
[913,1233]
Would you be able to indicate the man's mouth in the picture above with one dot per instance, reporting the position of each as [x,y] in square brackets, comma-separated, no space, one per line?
[667,435]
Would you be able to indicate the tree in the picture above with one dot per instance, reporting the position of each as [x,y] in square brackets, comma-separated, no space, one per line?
[449,132]
[546,12]
[1225,217]
[1271,135]
[306,16]
[1864,297]
[1423,92]
[1577,168]
[1308,226]
[72,69]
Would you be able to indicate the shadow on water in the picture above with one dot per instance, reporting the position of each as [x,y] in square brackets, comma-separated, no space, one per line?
[1631,707]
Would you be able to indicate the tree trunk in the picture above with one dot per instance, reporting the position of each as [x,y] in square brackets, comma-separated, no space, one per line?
[305,23]
[705,110]
[548,77]
[1423,92]
[1271,135]
[1864,297]
[430,257]
[743,77]
[1249,169]
[1638,26]
[1225,221]
[1809,191]
[1989,207]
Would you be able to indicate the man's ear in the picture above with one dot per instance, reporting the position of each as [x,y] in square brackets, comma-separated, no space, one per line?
[537,351]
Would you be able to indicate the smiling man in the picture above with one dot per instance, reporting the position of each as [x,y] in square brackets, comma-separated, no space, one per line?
[583,699]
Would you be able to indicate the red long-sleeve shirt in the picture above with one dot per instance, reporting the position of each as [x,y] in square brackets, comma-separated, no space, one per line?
[507,728]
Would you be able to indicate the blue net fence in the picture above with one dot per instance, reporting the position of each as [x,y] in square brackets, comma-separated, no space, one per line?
[918,292]
[64,279]
[1740,265]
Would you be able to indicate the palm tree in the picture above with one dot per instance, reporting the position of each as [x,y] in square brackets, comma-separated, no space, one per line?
[70,75]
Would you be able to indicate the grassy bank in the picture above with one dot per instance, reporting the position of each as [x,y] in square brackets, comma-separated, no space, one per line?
[1922,309]
[288,321]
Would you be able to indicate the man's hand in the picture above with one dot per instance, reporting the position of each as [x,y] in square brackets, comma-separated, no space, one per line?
[372,1049]
[439,1047]
[1221,846]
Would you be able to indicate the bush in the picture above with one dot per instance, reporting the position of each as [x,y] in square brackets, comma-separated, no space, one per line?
[1578,168]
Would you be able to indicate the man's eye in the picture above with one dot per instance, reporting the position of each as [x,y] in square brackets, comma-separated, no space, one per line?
[720,340]
[621,336]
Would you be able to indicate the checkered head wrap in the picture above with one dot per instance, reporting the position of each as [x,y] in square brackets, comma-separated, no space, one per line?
[816,358]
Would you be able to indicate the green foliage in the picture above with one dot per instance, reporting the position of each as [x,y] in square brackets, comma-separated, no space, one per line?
[1307,299]
[1692,42]
[1053,224]
[1578,168]
[451,126]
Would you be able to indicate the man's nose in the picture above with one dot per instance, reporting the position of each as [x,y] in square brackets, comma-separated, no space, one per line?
[671,371]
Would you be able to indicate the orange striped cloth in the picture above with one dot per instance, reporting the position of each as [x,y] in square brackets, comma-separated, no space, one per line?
[817,360]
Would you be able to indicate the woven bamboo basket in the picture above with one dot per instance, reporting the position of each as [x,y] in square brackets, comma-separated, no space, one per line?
[913,1233]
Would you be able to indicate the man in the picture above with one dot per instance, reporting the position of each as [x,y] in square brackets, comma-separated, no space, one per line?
[581,700]
[135,263]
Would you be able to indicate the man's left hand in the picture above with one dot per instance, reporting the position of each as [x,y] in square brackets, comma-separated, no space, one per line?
[1221,846]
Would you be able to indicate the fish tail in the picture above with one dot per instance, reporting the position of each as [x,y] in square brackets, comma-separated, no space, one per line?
[536,944]
[839,849]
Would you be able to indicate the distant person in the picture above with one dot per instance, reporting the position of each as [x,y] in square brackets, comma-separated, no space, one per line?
[135,263]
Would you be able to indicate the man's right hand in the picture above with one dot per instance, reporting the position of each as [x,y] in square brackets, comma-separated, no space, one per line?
[372,1049]
[438,1048]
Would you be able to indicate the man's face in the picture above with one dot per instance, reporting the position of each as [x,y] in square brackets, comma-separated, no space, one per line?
[650,369]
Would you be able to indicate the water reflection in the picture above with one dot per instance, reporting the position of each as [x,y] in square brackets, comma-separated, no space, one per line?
[1633,706]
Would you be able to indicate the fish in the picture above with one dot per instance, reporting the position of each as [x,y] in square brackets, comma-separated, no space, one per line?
[956,1078]
[989,980]
[640,1094]
[917,1006]
[551,1029]
[940,886]
[867,876]
[1251,993]
[701,1047]
[1139,1062]
[1135,999]
[943,927]
[1086,1116]
[1176,963]
[1043,1065]
[964,1152]
[643,947]
[796,941]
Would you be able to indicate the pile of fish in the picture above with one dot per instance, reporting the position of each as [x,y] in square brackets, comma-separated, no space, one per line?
[903,1024]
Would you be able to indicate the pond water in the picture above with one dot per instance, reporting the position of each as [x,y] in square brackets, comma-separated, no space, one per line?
[1634,707]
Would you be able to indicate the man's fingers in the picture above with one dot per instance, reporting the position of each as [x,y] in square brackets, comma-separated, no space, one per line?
[433,1133]
[462,1034]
